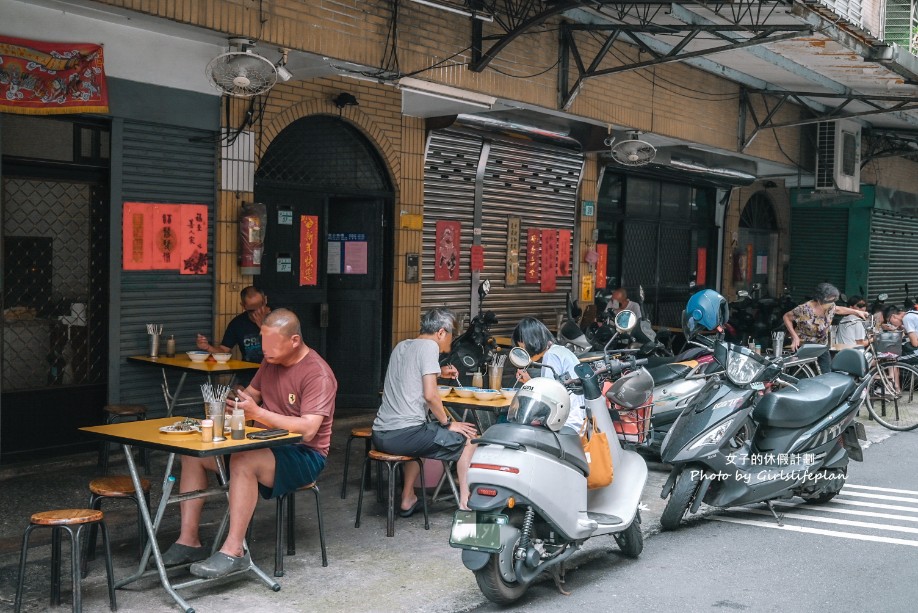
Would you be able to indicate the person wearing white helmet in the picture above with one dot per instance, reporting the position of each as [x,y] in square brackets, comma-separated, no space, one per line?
[532,335]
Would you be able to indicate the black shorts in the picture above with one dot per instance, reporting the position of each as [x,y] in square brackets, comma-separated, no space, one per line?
[429,440]
[294,467]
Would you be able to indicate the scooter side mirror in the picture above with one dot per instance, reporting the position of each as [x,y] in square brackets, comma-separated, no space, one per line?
[882,297]
[484,288]
[625,321]
[519,357]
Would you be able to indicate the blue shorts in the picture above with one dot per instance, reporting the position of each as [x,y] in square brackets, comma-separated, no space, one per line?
[294,467]
[428,440]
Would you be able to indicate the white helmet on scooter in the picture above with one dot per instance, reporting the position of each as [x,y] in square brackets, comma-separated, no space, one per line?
[540,402]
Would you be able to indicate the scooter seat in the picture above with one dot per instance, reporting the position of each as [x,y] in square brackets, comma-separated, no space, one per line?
[564,445]
[790,408]
[669,372]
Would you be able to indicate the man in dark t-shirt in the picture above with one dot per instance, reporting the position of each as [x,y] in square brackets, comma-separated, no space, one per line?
[294,389]
[243,330]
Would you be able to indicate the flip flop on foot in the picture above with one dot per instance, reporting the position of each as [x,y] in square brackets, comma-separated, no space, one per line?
[410,510]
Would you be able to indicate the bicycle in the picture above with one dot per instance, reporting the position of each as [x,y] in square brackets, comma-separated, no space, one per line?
[892,394]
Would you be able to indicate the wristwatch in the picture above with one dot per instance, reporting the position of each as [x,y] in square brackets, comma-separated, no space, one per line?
[449,420]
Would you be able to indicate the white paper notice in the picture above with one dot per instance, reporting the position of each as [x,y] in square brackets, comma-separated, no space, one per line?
[333,267]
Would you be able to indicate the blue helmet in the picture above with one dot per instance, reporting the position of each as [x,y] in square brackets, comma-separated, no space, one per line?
[704,310]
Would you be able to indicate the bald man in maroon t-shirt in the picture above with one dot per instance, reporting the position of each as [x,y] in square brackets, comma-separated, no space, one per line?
[293,389]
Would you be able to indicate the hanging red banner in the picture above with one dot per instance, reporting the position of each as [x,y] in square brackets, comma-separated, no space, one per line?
[137,236]
[532,255]
[701,270]
[51,78]
[564,253]
[750,260]
[477,258]
[603,251]
[446,261]
[193,237]
[549,260]
[309,250]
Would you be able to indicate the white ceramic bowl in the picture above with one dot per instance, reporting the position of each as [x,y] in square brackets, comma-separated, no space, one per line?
[465,392]
[222,358]
[487,394]
[444,390]
[197,356]
[508,392]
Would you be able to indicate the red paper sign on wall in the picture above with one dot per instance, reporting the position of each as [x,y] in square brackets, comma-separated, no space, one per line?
[603,251]
[446,257]
[165,237]
[477,258]
[193,237]
[564,253]
[701,272]
[549,260]
[532,256]
[309,249]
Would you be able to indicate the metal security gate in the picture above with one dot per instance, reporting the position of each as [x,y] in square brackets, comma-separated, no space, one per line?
[893,255]
[537,183]
[161,164]
[818,250]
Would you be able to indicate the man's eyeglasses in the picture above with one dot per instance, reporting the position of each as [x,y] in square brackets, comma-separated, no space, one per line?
[861,305]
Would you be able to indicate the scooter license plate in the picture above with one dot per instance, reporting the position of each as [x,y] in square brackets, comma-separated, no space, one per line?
[477,531]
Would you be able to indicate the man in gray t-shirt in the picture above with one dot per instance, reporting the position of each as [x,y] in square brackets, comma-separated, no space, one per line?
[401,426]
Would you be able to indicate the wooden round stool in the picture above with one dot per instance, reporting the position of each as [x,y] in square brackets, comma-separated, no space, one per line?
[118,487]
[73,521]
[393,463]
[367,435]
[117,413]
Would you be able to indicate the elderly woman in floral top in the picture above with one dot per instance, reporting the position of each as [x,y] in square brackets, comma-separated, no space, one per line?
[809,322]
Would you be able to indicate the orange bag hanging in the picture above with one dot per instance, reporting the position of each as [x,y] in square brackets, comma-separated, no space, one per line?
[598,455]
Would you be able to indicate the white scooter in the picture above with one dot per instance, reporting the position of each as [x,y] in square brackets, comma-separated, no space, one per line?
[530,506]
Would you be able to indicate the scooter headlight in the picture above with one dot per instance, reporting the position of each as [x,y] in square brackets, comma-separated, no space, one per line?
[743,367]
[713,436]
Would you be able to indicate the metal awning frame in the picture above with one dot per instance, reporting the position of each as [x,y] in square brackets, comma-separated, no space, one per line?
[761,34]
[802,98]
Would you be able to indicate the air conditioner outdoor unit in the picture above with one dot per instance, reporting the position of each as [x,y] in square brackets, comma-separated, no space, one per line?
[838,156]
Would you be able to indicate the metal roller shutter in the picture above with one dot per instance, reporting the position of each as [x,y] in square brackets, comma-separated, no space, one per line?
[536,183]
[818,250]
[893,255]
[171,165]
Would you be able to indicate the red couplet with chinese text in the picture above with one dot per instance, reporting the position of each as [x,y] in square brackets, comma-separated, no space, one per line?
[309,249]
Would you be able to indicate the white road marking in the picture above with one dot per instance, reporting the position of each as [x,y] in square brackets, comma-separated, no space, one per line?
[845,492]
[831,520]
[879,489]
[828,508]
[808,530]
[874,505]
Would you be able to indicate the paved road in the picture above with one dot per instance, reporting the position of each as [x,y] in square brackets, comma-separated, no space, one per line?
[856,553]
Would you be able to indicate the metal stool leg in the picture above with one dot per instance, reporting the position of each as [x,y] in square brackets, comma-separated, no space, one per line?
[75,571]
[315,490]
[109,570]
[55,566]
[423,493]
[391,468]
[23,555]
[366,461]
[347,463]
[89,550]
[291,525]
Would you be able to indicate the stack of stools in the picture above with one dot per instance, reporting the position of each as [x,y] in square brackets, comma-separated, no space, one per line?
[287,504]
[393,463]
[66,519]
[116,413]
[118,487]
[362,433]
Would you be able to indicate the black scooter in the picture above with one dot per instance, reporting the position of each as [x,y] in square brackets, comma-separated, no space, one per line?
[472,349]
[756,434]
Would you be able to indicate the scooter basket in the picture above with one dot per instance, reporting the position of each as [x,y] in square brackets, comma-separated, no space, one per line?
[888,342]
[633,425]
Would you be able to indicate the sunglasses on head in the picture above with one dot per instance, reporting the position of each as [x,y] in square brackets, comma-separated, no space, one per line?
[861,305]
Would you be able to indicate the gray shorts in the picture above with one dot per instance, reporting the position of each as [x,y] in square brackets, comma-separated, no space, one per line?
[429,440]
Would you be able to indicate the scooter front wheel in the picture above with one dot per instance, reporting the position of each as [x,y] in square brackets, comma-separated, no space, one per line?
[494,587]
[681,497]
[631,540]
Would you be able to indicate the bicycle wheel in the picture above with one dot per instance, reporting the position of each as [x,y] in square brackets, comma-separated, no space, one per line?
[892,396]
[801,371]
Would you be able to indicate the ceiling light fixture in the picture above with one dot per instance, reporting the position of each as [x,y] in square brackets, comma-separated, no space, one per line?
[282,73]
[455,9]
[445,92]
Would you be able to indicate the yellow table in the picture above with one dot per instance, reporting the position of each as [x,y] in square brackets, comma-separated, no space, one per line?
[183,364]
[146,434]
[459,408]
